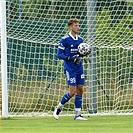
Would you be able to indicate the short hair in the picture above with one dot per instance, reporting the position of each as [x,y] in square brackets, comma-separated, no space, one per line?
[72,20]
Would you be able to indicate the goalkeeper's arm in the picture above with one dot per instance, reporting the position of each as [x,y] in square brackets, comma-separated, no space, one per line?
[61,55]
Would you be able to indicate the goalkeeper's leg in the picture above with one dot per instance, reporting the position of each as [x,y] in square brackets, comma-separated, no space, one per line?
[78,97]
[66,97]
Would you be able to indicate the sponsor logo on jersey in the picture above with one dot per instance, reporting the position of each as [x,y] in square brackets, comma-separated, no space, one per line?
[74,50]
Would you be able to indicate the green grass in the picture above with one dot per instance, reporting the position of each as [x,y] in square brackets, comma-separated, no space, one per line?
[66,124]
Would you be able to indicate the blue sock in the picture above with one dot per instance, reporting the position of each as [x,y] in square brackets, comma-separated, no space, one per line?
[78,101]
[65,98]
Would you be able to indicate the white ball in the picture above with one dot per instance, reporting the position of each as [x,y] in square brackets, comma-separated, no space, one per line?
[84,48]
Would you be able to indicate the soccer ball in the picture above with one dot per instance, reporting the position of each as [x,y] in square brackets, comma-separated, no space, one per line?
[84,48]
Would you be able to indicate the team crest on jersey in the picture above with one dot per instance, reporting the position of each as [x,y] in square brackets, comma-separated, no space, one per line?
[82,76]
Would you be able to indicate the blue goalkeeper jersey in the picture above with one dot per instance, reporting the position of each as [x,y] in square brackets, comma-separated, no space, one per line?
[68,46]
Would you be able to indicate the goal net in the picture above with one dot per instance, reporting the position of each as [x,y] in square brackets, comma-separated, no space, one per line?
[36,81]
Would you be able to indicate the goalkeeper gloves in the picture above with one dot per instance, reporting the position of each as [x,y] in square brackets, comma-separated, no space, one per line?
[76,59]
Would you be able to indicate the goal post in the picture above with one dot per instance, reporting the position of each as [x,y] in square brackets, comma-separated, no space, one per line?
[35,77]
[91,22]
[3,59]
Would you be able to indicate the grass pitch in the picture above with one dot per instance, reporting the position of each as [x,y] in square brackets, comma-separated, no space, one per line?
[66,124]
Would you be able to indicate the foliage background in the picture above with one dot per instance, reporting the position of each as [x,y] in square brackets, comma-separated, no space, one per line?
[34,29]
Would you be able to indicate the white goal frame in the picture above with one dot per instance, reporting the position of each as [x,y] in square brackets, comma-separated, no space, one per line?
[4,59]
[92,80]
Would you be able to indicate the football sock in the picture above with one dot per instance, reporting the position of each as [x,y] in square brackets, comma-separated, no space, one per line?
[78,104]
[77,111]
[65,98]
[59,105]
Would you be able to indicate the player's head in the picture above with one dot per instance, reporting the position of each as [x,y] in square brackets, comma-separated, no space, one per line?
[73,25]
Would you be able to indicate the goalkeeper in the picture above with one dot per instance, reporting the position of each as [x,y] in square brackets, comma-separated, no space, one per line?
[73,69]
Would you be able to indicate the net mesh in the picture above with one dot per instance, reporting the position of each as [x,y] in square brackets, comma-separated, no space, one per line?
[36,81]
